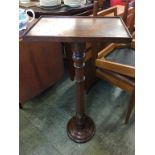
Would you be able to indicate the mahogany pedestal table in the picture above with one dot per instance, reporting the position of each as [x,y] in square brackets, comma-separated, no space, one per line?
[78,31]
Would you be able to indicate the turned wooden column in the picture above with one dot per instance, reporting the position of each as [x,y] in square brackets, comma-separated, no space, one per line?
[80,127]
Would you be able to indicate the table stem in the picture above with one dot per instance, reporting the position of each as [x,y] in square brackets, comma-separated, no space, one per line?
[80,128]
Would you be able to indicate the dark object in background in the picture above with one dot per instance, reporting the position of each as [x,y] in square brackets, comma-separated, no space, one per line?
[106,4]
[40,66]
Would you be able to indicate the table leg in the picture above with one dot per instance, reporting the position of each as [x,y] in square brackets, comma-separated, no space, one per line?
[80,128]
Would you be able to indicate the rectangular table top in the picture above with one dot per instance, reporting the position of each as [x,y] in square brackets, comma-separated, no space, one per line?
[79,29]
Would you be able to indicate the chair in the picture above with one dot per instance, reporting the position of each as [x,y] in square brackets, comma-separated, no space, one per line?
[89,69]
[117,10]
[115,63]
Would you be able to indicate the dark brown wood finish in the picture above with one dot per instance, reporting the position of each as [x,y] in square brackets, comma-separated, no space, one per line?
[95,8]
[80,128]
[130,107]
[78,30]
[40,66]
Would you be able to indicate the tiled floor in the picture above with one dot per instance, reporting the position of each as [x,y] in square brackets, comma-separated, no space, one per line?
[43,122]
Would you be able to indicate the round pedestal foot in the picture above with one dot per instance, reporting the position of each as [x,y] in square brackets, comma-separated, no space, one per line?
[81,135]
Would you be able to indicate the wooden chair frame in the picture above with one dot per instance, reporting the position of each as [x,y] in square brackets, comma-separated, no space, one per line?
[113,66]
[116,73]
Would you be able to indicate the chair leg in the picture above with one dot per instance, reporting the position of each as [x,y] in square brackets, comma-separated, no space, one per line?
[20,106]
[130,107]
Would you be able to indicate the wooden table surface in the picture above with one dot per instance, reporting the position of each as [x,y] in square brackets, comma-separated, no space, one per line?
[79,29]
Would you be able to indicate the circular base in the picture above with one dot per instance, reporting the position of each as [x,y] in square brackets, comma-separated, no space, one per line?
[82,135]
